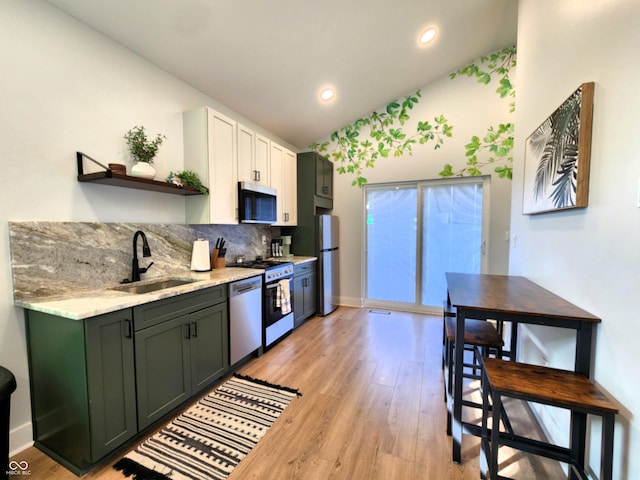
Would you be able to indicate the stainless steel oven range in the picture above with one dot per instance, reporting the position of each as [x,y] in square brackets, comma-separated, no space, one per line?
[277,307]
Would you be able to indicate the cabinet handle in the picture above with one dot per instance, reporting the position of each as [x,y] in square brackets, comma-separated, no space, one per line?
[286,217]
[188,335]
[257,175]
[195,329]
[127,328]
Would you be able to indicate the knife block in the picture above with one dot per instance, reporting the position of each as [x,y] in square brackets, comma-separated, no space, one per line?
[217,262]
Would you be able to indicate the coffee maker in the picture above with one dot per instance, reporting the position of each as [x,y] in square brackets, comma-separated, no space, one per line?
[281,247]
[286,246]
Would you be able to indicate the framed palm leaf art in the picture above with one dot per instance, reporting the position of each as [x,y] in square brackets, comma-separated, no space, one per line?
[557,157]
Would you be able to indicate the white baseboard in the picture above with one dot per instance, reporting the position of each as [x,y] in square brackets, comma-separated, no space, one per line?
[350,302]
[20,439]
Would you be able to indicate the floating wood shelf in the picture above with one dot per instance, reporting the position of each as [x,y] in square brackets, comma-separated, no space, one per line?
[109,177]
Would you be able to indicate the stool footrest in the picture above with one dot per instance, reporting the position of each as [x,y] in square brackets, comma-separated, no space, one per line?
[536,447]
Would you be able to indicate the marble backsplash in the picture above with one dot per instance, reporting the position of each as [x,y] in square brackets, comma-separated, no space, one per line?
[56,258]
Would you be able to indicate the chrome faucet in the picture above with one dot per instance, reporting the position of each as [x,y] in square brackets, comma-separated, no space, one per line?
[146,252]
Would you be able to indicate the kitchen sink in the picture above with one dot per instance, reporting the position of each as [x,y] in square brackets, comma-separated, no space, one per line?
[152,287]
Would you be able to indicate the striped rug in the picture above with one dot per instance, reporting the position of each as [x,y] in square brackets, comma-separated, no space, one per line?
[209,439]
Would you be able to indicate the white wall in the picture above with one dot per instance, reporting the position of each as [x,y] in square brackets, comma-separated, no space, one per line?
[65,88]
[588,256]
[471,108]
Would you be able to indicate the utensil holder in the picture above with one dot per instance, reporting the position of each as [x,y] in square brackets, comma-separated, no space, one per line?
[220,263]
[214,257]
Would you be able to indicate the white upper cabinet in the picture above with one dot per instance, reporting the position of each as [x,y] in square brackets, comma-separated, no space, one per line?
[263,164]
[253,157]
[246,154]
[283,179]
[223,152]
[210,150]
[290,185]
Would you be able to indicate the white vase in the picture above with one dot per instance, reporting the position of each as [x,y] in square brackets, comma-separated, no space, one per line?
[143,170]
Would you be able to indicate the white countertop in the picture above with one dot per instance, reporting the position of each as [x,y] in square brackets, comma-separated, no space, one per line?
[296,259]
[89,303]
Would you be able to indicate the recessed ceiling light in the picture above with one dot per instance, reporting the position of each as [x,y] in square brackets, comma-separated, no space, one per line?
[327,94]
[427,35]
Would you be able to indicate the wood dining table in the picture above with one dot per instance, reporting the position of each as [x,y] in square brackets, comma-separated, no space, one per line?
[515,299]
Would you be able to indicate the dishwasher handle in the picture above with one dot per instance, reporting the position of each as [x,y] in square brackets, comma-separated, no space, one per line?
[245,286]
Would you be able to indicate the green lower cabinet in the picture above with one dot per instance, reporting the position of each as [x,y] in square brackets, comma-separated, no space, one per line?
[162,369]
[179,357]
[304,292]
[112,394]
[82,381]
[209,355]
[97,383]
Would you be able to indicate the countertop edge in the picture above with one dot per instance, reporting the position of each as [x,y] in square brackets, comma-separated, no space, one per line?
[96,302]
[300,260]
[91,303]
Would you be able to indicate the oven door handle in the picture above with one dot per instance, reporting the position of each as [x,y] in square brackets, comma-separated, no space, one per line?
[275,284]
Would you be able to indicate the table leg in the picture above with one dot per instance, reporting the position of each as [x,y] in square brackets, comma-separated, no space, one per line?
[577,440]
[584,344]
[457,386]
[513,346]
[606,458]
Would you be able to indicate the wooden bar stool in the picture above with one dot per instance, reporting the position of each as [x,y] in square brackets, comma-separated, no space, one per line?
[481,339]
[549,386]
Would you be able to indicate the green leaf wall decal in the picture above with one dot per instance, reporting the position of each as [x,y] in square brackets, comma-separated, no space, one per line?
[353,153]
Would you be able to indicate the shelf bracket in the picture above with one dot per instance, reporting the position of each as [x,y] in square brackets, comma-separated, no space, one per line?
[80,156]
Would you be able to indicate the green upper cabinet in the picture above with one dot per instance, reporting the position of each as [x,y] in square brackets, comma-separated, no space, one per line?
[324,177]
[315,182]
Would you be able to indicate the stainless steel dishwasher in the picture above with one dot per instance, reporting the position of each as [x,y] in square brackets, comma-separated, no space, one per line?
[245,317]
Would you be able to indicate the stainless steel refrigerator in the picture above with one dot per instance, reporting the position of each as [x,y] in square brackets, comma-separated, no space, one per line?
[328,266]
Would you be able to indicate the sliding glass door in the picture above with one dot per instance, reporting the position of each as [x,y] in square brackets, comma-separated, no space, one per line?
[391,242]
[415,232]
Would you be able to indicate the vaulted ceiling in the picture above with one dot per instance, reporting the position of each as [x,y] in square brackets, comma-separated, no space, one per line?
[269,59]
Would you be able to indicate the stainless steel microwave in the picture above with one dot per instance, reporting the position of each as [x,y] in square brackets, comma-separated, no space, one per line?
[256,204]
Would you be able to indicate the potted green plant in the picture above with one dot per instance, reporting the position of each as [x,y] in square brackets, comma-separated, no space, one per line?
[187,178]
[143,151]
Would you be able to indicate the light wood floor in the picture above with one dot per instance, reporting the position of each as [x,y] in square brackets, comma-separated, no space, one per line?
[372,408]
